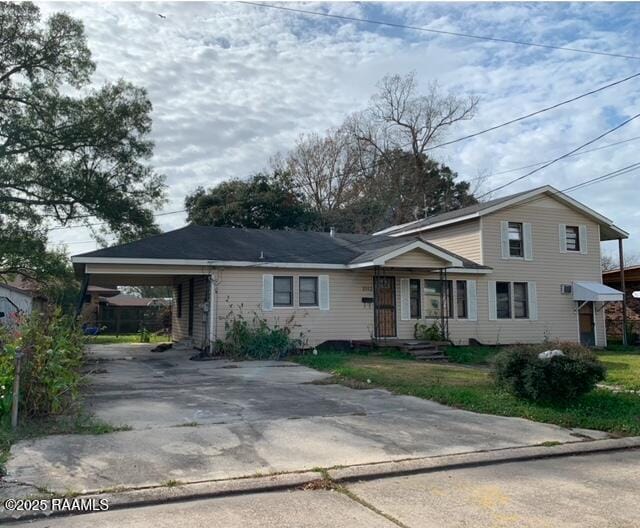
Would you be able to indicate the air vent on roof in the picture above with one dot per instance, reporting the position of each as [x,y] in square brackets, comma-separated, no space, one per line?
[566,289]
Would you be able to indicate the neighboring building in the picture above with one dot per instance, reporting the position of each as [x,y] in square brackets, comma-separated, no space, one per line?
[19,300]
[522,268]
[614,310]
[90,313]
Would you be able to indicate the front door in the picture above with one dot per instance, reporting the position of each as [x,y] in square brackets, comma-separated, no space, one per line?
[586,324]
[384,308]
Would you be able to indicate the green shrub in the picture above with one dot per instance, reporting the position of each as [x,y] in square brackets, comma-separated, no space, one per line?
[427,332]
[520,371]
[145,335]
[50,374]
[255,339]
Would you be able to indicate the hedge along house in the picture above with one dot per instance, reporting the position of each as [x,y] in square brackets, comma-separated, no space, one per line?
[523,268]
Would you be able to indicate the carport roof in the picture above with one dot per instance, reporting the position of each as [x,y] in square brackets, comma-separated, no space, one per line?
[225,244]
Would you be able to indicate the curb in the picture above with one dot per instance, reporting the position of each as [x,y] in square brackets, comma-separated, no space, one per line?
[289,481]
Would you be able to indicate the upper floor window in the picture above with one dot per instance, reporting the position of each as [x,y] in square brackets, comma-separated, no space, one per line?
[572,236]
[516,247]
[283,291]
[308,291]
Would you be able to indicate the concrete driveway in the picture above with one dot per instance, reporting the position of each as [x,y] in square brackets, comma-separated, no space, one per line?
[196,421]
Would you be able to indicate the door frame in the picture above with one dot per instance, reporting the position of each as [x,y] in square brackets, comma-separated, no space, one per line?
[377,307]
[594,327]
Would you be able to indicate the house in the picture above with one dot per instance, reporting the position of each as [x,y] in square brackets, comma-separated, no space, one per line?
[19,298]
[521,268]
[614,310]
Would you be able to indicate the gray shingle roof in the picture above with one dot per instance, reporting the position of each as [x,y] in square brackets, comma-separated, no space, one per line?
[249,245]
[458,213]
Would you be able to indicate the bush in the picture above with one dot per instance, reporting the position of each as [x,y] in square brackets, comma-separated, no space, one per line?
[520,371]
[255,339]
[427,332]
[50,374]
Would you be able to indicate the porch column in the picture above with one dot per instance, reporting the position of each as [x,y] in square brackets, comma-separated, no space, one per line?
[624,292]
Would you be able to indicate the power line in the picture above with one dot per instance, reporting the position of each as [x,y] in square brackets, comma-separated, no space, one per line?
[440,31]
[515,169]
[537,112]
[547,164]
[105,223]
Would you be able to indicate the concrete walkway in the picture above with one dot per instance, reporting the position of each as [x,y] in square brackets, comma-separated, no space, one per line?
[196,421]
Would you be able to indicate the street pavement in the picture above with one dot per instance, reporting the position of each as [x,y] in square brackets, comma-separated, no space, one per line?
[587,491]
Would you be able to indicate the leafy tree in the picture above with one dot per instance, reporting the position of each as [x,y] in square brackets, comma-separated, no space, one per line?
[262,201]
[67,152]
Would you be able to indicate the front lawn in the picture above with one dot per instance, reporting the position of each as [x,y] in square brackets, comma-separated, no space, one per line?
[623,368]
[471,389]
[105,339]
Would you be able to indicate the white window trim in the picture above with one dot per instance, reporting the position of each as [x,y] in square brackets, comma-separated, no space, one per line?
[526,234]
[309,306]
[583,239]
[293,294]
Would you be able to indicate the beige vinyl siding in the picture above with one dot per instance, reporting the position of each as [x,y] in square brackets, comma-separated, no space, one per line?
[416,258]
[180,326]
[549,268]
[347,318]
[464,239]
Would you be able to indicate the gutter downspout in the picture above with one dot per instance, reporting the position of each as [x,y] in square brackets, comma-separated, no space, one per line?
[624,293]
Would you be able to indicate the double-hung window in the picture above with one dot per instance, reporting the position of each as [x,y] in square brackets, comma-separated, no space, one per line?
[572,236]
[516,246]
[503,300]
[415,304]
[520,300]
[434,297]
[461,299]
[283,291]
[308,291]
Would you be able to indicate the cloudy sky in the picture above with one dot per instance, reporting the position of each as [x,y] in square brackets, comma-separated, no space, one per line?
[233,84]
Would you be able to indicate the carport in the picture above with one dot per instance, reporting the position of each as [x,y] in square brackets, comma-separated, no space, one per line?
[193,285]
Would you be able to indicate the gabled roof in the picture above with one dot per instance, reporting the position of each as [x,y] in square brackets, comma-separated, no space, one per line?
[608,231]
[211,246]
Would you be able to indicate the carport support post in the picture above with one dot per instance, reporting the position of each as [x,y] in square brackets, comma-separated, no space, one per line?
[212,313]
[624,292]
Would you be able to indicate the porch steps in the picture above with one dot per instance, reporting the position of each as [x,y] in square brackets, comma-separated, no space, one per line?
[421,350]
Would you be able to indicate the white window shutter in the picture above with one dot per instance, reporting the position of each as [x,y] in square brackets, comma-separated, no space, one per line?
[493,309]
[562,232]
[323,292]
[583,239]
[504,238]
[405,303]
[472,300]
[533,301]
[267,293]
[528,241]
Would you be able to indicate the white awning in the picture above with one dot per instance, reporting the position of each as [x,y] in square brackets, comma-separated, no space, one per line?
[594,291]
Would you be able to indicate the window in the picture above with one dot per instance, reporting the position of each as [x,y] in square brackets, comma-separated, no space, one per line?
[516,248]
[461,299]
[179,301]
[433,299]
[308,291]
[414,299]
[572,235]
[520,300]
[283,291]
[503,300]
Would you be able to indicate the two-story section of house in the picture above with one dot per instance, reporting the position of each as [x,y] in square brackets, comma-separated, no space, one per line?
[543,248]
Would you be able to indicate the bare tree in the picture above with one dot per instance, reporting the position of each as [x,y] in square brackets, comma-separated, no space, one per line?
[322,168]
[609,262]
[398,118]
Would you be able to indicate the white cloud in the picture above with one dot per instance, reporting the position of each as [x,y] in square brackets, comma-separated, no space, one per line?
[233,84]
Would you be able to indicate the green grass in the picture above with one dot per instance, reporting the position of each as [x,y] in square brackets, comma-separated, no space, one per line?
[471,355]
[124,338]
[473,390]
[623,367]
